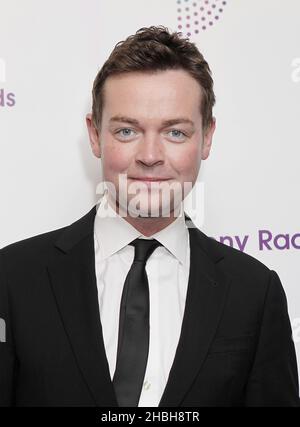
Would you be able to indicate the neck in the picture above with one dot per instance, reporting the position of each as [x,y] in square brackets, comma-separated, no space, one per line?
[149,225]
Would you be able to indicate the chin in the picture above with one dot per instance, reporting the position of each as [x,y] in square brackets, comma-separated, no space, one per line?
[144,208]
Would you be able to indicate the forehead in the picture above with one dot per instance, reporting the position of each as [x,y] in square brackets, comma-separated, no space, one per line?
[152,94]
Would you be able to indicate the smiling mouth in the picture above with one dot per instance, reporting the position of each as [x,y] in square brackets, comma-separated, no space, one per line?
[150,182]
[150,179]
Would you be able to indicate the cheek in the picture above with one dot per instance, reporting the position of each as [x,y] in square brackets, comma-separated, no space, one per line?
[114,159]
[187,160]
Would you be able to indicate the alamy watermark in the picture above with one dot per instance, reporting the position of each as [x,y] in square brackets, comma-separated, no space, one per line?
[138,198]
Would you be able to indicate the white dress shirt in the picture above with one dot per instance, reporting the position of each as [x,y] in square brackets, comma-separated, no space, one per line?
[168,271]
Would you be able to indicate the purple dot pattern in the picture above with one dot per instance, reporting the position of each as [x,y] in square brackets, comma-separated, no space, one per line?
[208,13]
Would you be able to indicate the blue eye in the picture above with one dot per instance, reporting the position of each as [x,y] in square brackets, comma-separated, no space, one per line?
[179,133]
[126,134]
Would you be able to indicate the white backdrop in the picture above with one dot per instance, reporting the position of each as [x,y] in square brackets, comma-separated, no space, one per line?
[50,52]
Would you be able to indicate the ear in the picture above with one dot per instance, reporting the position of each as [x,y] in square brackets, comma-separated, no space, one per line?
[207,139]
[93,136]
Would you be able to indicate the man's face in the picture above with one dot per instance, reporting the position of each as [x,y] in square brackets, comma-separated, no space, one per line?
[151,128]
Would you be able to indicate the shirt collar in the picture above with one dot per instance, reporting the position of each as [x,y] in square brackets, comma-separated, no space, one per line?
[113,232]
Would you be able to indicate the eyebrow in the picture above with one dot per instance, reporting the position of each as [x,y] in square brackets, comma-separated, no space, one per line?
[135,122]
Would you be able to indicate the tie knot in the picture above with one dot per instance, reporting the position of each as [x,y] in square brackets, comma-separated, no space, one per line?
[144,248]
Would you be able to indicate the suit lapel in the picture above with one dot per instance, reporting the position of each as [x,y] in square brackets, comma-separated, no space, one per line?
[73,281]
[206,295]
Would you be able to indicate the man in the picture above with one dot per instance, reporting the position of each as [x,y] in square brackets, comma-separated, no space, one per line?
[132,305]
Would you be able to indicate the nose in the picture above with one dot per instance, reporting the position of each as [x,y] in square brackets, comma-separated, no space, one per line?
[150,150]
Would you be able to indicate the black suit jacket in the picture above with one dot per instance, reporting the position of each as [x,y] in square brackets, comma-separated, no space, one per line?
[235,347]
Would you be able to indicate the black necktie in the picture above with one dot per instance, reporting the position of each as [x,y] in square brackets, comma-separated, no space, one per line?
[133,340]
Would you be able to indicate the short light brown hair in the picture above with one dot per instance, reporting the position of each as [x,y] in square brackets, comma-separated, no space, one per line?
[155,49]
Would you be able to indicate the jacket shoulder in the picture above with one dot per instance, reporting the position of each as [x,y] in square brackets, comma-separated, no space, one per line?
[38,247]
[36,244]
